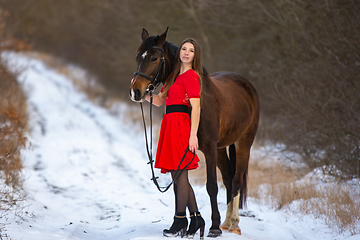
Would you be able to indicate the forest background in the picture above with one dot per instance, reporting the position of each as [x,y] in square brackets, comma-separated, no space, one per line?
[303,56]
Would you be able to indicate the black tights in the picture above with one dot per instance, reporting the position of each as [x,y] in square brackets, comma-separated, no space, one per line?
[184,194]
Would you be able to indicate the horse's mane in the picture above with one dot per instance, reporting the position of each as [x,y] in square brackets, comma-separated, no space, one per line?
[146,44]
[171,48]
[205,73]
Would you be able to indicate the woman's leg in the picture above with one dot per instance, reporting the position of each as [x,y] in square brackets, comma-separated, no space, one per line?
[175,194]
[181,191]
[184,194]
[192,205]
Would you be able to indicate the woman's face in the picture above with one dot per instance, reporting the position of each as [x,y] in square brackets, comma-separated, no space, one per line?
[187,53]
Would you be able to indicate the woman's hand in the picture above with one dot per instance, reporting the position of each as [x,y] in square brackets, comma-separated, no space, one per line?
[193,143]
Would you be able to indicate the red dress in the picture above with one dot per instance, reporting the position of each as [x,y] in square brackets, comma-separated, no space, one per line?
[176,126]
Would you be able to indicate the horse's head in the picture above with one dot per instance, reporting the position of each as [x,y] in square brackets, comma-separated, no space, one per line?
[150,60]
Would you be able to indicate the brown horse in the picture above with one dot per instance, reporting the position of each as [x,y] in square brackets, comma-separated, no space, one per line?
[229,117]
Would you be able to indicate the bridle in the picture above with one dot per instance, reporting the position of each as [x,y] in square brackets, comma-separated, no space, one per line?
[154,80]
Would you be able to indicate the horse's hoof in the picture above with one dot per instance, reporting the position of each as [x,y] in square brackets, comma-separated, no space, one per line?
[235,230]
[213,233]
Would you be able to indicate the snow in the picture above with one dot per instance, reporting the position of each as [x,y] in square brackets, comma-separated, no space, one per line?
[87,177]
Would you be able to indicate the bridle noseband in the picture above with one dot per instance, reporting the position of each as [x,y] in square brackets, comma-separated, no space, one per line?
[154,80]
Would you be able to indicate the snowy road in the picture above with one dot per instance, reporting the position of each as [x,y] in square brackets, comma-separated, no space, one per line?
[86,176]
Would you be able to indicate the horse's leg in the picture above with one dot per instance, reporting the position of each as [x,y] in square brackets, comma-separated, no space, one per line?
[239,182]
[224,165]
[212,188]
[234,218]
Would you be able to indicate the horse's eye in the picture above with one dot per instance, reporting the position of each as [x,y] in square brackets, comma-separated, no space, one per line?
[153,59]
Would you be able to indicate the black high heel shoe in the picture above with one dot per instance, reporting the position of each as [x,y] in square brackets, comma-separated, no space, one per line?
[196,222]
[178,228]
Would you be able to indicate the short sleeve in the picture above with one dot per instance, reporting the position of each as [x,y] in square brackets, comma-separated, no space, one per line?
[192,84]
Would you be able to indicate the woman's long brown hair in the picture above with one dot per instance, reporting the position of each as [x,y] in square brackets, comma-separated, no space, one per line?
[196,64]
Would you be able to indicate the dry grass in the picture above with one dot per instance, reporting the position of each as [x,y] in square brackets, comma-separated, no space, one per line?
[297,190]
[275,183]
[13,113]
[13,123]
[13,126]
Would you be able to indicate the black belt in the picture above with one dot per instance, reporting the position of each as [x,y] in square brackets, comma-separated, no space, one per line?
[177,108]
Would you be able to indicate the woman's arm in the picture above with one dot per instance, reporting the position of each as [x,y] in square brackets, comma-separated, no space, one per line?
[195,119]
[158,100]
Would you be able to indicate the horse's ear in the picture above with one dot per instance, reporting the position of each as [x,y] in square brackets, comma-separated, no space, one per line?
[162,38]
[144,34]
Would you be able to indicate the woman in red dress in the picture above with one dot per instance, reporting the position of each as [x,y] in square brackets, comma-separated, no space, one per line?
[179,132]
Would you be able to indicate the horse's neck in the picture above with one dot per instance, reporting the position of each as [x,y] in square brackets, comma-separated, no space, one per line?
[171,49]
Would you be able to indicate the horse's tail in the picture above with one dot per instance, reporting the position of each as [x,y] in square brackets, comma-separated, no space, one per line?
[232,155]
[243,186]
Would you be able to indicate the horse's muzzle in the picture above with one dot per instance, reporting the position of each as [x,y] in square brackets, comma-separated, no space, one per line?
[135,95]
